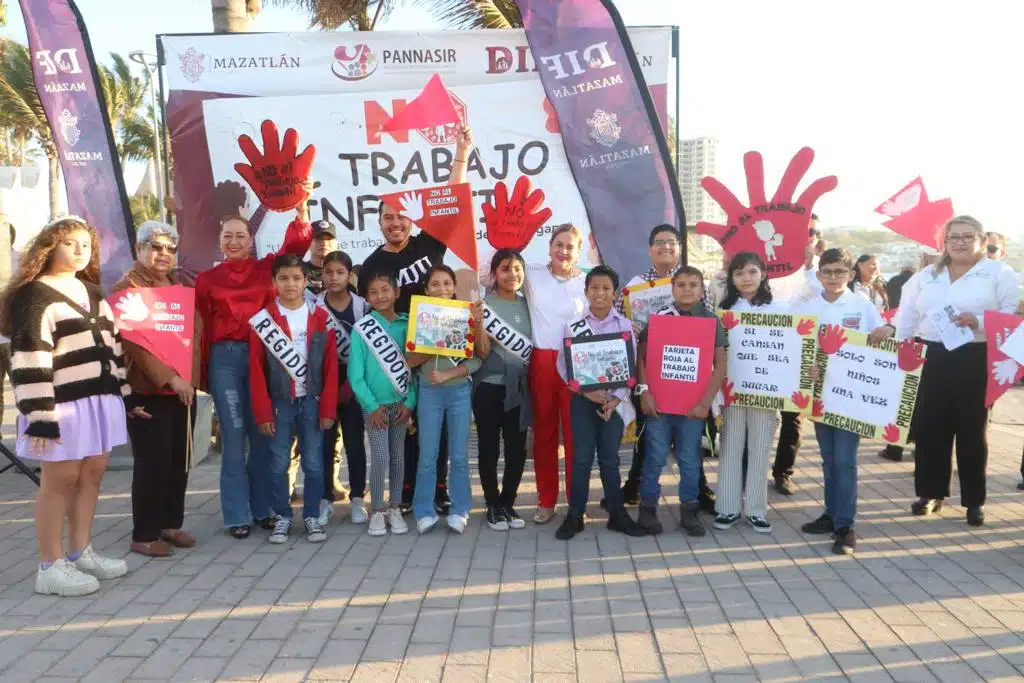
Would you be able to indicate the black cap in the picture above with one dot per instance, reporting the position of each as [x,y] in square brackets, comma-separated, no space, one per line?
[324,228]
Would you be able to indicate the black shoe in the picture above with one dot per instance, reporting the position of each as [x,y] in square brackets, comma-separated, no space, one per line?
[496,518]
[926,506]
[266,523]
[1020,486]
[631,492]
[894,453]
[706,501]
[784,485]
[689,515]
[603,504]
[822,525]
[442,503]
[512,517]
[571,525]
[240,532]
[648,518]
[845,543]
[621,521]
[975,515]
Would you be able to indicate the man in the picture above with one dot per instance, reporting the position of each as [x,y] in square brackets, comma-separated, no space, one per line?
[409,257]
[996,246]
[325,240]
[894,287]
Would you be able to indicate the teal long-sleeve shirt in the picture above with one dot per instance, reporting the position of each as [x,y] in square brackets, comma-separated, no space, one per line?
[369,382]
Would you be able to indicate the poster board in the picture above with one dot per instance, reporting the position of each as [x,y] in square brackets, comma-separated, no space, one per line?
[644,299]
[440,327]
[679,360]
[600,361]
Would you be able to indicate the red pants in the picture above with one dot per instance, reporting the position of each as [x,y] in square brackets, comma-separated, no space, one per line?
[550,397]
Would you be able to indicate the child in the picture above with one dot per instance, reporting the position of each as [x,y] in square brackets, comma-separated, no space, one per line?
[69,379]
[598,417]
[445,393]
[838,305]
[501,394]
[685,430]
[744,429]
[346,308]
[380,379]
[294,388]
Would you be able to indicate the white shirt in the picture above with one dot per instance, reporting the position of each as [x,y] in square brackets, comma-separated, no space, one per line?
[298,323]
[850,311]
[744,306]
[988,286]
[870,293]
[553,302]
[796,288]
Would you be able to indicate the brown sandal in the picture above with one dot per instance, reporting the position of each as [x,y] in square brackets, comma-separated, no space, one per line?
[178,538]
[151,548]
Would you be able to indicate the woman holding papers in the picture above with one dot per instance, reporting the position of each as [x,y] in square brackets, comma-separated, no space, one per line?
[944,305]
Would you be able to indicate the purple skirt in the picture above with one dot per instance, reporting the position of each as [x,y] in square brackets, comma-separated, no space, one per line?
[89,427]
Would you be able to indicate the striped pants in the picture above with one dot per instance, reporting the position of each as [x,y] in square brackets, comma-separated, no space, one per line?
[754,429]
[387,458]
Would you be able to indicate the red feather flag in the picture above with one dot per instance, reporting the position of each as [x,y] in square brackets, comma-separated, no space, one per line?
[432,107]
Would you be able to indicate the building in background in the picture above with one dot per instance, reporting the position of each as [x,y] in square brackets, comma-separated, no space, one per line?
[698,157]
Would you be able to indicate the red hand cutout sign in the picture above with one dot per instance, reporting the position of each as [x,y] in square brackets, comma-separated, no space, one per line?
[775,230]
[277,174]
[512,223]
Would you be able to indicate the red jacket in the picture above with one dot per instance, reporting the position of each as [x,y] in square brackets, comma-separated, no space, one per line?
[321,361]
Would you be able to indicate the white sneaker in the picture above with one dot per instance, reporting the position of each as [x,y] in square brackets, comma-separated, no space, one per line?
[101,567]
[359,515]
[63,578]
[281,530]
[314,532]
[425,524]
[398,525]
[378,524]
[326,512]
[457,523]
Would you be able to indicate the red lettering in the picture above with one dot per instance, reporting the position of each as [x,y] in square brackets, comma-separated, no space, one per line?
[377,117]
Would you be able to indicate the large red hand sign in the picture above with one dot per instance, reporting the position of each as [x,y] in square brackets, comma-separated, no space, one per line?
[776,230]
[913,215]
[277,173]
[512,223]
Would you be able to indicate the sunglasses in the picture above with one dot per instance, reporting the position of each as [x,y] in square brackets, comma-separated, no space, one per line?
[163,248]
[993,248]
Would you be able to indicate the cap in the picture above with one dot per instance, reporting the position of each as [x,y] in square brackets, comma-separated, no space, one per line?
[322,228]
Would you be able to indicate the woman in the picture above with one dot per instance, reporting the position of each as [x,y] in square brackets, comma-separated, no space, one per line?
[226,297]
[68,377]
[951,398]
[163,414]
[554,294]
[866,281]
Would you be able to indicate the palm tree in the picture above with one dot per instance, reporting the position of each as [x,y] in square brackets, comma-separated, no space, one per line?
[467,14]
[363,15]
[234,16]
[124,94]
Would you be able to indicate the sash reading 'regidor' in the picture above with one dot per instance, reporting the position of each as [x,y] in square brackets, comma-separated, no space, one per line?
[506,336]
[279,345]
[341,337]
[388,354]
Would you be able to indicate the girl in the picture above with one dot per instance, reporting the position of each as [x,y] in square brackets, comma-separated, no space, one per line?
[381,382]
[346,308]
[445,392]
[68,373]
[501,395]
[867,282]
[745,429]
[951,398]
[227,296]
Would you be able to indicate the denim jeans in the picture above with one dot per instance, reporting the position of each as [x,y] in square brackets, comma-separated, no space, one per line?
[660,433]
[244,483]
[299,417]
[590,433]
[839,465]
[443,404]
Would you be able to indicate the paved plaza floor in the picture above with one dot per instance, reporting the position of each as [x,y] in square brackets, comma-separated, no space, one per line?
[922,600]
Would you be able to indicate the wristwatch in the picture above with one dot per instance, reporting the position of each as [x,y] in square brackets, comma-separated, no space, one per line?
[640,389]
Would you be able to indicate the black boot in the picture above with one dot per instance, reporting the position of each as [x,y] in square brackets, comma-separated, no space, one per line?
[619,520]
[648,518]
[571,525]
[975,515]
[706,499]
[926,506]
[631,492]
[689,515]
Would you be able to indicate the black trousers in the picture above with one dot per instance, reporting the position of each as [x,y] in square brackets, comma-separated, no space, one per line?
[494,424]
[952,408]
[160,448]
[640,449]
[789,444]
[350,424]
[412,461]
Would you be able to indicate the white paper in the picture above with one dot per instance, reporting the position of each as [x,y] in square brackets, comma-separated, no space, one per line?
[1014,345]
[952,335]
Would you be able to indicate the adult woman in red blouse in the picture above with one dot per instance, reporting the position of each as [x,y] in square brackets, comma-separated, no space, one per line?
[226,297]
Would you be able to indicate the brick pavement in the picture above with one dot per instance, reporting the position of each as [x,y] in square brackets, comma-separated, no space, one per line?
[923,600]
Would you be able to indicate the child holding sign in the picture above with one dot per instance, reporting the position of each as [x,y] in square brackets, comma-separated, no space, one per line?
[838,305]
[293,361]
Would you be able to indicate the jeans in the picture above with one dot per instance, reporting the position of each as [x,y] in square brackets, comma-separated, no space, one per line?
[299,417]
[494,424]
[590,434]
[350,423]
[839,466]
[244,483]
[659,433]
[449,405]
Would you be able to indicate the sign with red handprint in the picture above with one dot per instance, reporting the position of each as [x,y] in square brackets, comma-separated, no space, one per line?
[914,216]
[770,359]
[1004,372]
[444,212]
[777,230]
[865,389]
[276,174]
[161,320]
[513,221]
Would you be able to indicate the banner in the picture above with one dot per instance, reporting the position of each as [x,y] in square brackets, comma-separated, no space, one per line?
[161,320]
[770,360]
[914,216]
[1003,371]
[609,124]
[679,361]
[864,389]
[68,85]
[383,69]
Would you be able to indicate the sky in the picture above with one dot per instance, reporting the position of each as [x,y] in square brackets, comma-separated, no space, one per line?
[883,94]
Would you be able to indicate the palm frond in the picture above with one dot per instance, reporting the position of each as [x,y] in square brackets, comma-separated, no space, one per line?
[470,14]
[333,14]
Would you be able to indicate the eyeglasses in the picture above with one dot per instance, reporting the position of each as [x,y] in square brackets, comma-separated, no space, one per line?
[163,248]
[962,239]
[666,243]
[836,272]
[993,248]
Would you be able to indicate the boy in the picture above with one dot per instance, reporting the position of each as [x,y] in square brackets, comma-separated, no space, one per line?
[599,416]
[293,361]
[838,305]
[686,430]
[325,240]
